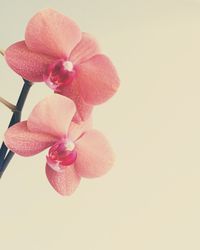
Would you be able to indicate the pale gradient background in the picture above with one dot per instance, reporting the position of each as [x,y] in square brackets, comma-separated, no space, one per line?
[151,198]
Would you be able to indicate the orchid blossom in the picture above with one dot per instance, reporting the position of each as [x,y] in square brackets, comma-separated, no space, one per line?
[75,150]
[55,51]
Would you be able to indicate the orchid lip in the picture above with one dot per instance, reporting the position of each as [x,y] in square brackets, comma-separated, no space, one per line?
[61,155]
[59,74]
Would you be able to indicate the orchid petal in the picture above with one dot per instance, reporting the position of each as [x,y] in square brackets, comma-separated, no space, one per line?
[85,49]
[97,79]
[22,141]
[94,155]
[65,182]
[51,33]
[52,115]
[84,110]
[31,66]
[77,130]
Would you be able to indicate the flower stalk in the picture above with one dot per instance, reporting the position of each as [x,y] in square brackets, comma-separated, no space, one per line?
[2,52]
[8,104]
[5,155]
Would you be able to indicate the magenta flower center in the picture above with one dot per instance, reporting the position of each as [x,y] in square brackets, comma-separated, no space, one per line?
[62,154]
[59,74]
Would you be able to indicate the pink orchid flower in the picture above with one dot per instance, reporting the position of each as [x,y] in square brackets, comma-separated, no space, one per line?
[56,52]
[75,151]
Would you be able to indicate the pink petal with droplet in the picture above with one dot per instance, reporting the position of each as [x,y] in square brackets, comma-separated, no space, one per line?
[51,33]
[31,66]
[85,49]
[52,115]
[22,141]
[94,155]
[65,182]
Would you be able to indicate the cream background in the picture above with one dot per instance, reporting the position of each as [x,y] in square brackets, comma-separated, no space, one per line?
[151,198]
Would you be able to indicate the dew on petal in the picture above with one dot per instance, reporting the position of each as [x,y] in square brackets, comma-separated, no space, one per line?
[61,155]
[59,74]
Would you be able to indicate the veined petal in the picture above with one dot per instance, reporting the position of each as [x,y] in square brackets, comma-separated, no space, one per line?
[51,33]
[52,115]
[77,130]
[65,182]
[84,110]
[94,155]
[85,49]
[22,141]
[98,79]
[31,66]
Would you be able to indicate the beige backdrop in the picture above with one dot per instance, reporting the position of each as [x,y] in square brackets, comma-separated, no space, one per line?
[151,198]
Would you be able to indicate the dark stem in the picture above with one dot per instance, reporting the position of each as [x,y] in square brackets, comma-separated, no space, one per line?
[6,161]
[5,156]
